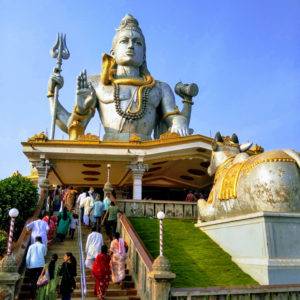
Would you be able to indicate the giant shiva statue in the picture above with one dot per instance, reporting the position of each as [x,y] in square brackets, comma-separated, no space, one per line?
[246,182]
[129,100]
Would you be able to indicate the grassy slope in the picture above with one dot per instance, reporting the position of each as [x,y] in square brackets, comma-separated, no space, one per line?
[194,257]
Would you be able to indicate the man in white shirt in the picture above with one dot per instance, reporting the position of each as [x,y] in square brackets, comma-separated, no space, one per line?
[93,246]
[79,203]
[87,203]
[91,192]
[38,228]
[35,261]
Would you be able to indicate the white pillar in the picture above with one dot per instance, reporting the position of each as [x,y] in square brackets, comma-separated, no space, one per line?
[137,186]
[43,167]
[138,170]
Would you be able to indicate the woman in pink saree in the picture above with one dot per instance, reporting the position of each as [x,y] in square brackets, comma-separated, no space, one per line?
[118,249]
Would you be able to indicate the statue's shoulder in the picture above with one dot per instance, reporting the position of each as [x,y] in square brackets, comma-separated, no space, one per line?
[162,85]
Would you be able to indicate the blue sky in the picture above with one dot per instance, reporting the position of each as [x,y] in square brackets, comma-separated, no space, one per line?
[244,55]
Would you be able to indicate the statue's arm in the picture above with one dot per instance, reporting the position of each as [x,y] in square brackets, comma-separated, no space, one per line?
[170,113]
[62,115]
[81,117]
[86,102]
[84,109]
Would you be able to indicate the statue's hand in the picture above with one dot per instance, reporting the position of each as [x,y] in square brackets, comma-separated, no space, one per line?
[85,92]
[179,125]
[54,80]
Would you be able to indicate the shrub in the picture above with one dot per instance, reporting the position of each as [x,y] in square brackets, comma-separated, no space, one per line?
[19,192]
[3,242]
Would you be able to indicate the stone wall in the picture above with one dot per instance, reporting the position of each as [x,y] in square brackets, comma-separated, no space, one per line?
[267,292]
[149,208]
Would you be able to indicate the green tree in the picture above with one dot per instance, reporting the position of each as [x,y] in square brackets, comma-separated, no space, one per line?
[19,192]
[3,242]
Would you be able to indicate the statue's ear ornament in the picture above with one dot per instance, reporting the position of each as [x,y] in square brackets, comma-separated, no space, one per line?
[218,137]
[245,147]
[234,139]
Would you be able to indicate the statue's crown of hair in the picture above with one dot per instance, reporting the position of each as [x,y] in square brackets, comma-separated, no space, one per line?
[129,22]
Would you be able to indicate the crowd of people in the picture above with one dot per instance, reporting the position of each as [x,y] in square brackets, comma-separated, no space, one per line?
[63,210]
[44,278]
[192,196]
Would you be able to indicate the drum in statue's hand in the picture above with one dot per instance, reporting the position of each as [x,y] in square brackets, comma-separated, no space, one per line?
[186,90]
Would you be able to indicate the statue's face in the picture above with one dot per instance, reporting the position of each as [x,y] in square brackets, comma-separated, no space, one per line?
[129,49]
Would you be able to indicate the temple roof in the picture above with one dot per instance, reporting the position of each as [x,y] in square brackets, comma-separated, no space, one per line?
[173,161]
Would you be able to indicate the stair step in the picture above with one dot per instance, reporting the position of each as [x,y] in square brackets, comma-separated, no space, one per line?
[92,280]
[109,298]
[110,293]
[122,298]
[86,298]
[127,292]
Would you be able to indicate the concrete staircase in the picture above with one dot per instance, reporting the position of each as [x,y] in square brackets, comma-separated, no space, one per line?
[114,292]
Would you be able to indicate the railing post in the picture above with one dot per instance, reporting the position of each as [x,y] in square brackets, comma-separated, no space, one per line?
[161,275]
[8,282]
[8,267]
[161,278]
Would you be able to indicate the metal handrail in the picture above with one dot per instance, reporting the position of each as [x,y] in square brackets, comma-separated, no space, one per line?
[81,259]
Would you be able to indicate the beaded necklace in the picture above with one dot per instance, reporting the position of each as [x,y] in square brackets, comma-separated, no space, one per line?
[143,97]
[128,114]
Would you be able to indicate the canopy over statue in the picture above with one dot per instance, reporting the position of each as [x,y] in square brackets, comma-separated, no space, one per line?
[130,102]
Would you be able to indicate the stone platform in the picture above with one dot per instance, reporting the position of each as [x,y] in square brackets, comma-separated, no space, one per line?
[266,245]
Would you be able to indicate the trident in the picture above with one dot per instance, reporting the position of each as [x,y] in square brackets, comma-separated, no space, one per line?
[59,51]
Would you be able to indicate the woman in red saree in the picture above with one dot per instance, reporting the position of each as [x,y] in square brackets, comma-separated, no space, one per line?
[101,272]
[118,248]
[52,221]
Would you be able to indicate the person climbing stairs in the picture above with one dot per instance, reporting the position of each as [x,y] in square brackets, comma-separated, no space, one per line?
[126,291]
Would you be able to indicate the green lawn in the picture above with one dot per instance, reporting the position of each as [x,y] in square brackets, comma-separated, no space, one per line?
[194,257]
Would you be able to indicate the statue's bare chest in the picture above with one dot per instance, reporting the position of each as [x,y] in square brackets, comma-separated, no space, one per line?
[127,95]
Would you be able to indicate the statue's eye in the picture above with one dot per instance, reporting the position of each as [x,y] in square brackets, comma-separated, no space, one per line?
[123,41]
[138,43]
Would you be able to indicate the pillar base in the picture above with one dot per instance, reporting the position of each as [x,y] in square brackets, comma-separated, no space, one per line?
[7,285]
[8,264]
[161,278]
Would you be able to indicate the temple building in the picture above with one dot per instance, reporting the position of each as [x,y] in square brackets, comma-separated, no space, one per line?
[138,168]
